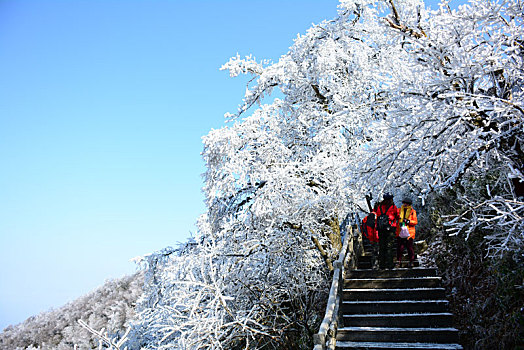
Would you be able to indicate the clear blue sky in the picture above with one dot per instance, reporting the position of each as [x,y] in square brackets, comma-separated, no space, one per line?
[102,108]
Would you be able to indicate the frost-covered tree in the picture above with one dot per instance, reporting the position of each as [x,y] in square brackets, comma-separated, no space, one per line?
[453,107]
[388,95]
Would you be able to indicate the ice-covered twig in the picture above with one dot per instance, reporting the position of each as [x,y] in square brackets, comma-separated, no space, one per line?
[103,336]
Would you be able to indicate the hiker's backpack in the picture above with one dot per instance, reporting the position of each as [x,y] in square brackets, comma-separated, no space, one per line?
[368,227]
[370,221]
[383,221]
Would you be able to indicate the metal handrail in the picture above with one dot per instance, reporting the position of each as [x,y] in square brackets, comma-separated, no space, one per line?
[326,335]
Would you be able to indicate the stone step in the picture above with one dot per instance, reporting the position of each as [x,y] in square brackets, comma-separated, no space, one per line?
[364,262]
[369,266]
[414,272]
[426,320]
[393,282]
[393,294]
[368,252]
[393,306]
[364,265]
[398,346]
[367,256]
[408,335]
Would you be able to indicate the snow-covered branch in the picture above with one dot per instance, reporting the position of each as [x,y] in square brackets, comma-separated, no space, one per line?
[104,338]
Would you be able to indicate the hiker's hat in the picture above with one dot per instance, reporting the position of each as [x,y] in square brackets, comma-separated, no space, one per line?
[388,196]
[407,200]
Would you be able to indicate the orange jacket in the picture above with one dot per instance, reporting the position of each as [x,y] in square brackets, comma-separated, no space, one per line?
[412,220]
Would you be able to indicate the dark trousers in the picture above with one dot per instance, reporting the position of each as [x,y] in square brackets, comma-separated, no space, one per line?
[374,255]
[405,243]
[385,246]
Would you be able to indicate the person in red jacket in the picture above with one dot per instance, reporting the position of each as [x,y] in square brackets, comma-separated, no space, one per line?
[386,223]
[407,220]
[369,230]
[368,226]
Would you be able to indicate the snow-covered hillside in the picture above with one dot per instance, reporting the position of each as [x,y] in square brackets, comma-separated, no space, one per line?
[110,306]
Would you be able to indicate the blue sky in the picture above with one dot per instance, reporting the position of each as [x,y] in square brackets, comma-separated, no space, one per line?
[102,108]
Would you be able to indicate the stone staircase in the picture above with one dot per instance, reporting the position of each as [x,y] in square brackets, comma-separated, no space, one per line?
[394,309]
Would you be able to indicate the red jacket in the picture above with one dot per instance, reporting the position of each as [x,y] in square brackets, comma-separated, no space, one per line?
[370,231]
[391,212]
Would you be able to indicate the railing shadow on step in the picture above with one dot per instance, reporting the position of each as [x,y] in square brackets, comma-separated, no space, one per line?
[347,259]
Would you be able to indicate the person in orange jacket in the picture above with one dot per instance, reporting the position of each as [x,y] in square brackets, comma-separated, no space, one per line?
[407,220]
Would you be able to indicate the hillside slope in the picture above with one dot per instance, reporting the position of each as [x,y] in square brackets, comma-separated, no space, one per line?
[110,306]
